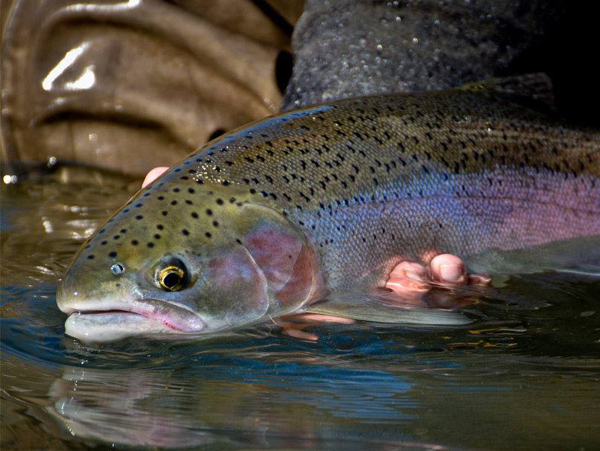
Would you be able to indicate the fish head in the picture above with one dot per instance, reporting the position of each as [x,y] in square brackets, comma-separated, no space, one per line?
[186,260]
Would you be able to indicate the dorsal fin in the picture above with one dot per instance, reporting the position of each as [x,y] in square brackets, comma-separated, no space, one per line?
[534,90]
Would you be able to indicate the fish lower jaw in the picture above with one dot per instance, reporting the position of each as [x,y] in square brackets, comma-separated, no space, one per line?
[113,324]
[108,313]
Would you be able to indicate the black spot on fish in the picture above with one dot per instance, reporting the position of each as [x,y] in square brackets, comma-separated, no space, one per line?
[123,230]
[176,190]
[208,235]
[150,244]
[219,201]
[157,236]
[191,190]
[185,232]
[209,212]
[138,217]
[135,242]
[90,257]
[216,223]
[165,213]
[174,202]
[103,243]
[112,254]
[194,215]
[116,237]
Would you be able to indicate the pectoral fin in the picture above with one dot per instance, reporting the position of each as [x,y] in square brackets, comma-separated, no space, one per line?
[580,254]
[381,308]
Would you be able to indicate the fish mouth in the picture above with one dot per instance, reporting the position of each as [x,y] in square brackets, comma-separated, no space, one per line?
[114,321]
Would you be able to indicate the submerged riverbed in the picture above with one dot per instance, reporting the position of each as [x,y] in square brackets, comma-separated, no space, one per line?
[525,375]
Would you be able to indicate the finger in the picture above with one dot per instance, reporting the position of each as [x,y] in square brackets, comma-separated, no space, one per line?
[296,330]
[411,270]
[300,334]
[448,268]
[409,280]
[479,279]
[406,287]
[318,318]
[153,175]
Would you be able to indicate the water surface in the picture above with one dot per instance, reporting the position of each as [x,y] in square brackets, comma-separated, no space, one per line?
[525,375]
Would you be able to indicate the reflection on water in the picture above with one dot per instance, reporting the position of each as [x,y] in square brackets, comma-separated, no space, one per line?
[525,376]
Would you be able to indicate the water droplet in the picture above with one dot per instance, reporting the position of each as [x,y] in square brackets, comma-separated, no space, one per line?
[52,161]
[9,179]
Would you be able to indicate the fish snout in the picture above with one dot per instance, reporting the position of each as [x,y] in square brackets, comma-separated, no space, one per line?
[65,294]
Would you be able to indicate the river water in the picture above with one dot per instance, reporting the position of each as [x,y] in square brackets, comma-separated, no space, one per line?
[525,375]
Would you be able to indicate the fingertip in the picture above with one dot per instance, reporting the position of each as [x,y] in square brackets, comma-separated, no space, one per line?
[153,175]
[445,259]
[295,333]
[479,279]
[448,268]
[405,286]
[317,317]
[404,268]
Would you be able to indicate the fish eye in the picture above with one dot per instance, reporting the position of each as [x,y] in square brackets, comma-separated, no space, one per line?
[171,278]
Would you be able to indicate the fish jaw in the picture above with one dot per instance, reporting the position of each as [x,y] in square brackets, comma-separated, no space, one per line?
[104,320]
[103,327]
[121,321]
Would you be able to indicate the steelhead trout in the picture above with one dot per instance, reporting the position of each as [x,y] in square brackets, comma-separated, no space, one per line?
[310,210]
